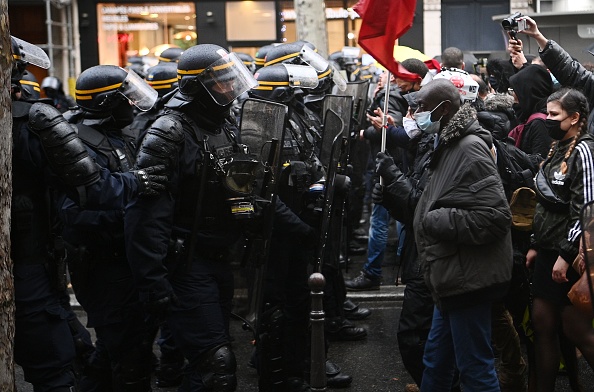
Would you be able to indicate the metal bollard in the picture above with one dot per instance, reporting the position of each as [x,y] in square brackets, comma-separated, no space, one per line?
[317,318]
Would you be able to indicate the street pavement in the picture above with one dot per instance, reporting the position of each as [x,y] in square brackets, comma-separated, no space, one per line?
[374,363]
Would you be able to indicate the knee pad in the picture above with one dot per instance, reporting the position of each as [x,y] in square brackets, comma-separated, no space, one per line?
[218,369]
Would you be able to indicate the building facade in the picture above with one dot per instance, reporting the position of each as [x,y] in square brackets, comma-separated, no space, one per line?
[78,34]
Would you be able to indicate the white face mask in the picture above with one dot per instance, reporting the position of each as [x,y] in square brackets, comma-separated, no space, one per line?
[424,122]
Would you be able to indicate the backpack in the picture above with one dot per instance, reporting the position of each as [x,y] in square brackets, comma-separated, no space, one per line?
[517,170]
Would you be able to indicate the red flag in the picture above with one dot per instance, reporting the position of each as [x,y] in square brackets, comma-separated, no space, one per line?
[384,21]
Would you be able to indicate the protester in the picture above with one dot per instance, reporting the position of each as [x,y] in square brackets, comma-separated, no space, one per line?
[464,187]
[563,185]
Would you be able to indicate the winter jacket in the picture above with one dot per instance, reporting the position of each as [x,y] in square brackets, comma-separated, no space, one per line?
[559,228]
[497,115]
[462,220]
[569,73]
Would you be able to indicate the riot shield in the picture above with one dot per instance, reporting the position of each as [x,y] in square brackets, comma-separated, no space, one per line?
[359,91]
[587,250]
[341,105]
[262,122]
[333,127]
[332,166]
[261,129]
[316,280]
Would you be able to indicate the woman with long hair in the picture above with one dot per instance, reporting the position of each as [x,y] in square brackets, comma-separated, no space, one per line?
[564,184]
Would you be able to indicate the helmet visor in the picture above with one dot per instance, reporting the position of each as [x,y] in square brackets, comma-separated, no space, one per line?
[226,79]
[302,76]
[138,92]
[321,64]
[32,54]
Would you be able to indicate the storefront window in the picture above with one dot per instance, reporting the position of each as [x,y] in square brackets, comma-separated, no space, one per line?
[132,31]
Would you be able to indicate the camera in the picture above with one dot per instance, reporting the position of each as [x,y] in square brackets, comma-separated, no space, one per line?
[513,23]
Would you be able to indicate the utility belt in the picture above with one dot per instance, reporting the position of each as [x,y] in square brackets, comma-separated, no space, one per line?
[178,247]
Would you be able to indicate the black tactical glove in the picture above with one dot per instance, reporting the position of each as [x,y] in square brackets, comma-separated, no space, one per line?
[385,167]
[377,194]
[151,180]
[342,184]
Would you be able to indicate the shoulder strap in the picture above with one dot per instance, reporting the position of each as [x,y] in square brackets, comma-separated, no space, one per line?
[536,115]
[98,141]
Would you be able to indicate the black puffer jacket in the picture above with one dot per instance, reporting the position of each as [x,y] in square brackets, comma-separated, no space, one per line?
[462,221]
[569,73]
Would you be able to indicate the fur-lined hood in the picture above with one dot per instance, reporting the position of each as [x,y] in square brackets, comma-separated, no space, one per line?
[464,123]
[499,102]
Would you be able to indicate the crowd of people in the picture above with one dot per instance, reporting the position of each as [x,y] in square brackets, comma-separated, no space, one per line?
[144,192]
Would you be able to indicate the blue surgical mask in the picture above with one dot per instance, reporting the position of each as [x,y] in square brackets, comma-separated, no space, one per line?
[424,122]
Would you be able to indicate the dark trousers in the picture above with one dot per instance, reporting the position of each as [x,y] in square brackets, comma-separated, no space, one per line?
[43,347]
[199,320]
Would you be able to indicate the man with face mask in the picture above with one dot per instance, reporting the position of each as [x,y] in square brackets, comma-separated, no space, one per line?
[460,293]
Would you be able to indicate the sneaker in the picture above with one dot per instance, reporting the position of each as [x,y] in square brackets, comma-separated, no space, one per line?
[363,282]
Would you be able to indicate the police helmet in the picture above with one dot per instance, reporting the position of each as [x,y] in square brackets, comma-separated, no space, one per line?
[18,63]
[170,55]
[247,60]
[162,77]
[466,85]
[29,87]
[209,73]
[278,82]
[260,58]
[286,53]
[51,82]
[102,88]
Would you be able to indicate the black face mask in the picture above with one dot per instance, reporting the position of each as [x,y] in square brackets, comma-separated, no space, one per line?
[123,114]
[493,82]
[554,129]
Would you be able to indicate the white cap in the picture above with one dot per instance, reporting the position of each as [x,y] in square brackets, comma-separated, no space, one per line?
[466,85]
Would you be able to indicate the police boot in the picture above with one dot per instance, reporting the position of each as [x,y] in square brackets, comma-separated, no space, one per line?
[169,373]
[339,328]
[353,311]
[335,378]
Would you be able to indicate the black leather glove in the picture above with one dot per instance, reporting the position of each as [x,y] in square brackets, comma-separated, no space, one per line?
[377,194]
[151,180]
[385,167]
[342,184]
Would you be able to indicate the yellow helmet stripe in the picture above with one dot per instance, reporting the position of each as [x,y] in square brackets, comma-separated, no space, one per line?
[323,75]
[99,90]
[265,83]
[189,71]
[30,83]
[164,59]
[290,55]
[260,61]
[83,97]
[162,86]
[157,82]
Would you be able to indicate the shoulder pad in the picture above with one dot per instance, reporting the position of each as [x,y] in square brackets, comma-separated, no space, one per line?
[169,127]
[20,109]
[43,116]
[160,145]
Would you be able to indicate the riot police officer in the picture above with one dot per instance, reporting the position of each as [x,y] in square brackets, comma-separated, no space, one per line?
[170,55]
[179,243]
[99,271]
[47,156]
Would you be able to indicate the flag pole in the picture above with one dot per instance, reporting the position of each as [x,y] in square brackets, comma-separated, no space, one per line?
[385,117]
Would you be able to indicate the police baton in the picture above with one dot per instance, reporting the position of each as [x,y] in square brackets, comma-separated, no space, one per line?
[385,118]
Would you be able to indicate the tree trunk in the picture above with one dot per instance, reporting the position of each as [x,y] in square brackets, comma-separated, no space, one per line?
[7,382]
[310,22]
